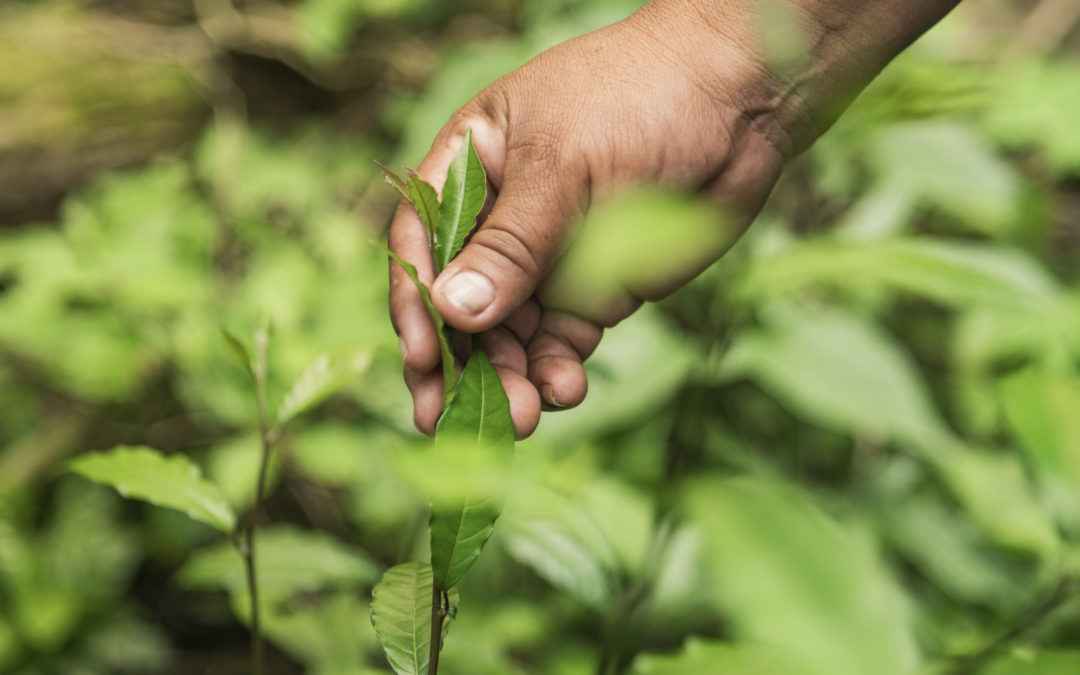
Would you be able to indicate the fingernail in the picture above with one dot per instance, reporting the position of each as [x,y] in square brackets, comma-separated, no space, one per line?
[548,395]
[404,348]
[470,292]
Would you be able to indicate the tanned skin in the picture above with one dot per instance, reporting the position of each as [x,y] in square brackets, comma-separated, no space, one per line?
[687,94]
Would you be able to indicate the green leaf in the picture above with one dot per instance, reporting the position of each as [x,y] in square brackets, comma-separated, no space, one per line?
[238,350]
[289,560]
[841,373]
[401,615]
[1022,662]
[426,202]
[395,181]
[139,472]
[790,577]
[462,198]
[450,377]
[325,376]
[480,411]
[479,415]
[699,657]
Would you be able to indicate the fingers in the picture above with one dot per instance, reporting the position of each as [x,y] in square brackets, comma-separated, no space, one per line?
[562,342]
[513,249]
[408,238]
[505,348]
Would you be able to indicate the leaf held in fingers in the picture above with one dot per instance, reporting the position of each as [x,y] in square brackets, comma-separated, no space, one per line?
[395,181]
[238,350]
[478,415]
[326,375]
[173,482]
[449,374]
[426,202]
[462,198]
[401,615]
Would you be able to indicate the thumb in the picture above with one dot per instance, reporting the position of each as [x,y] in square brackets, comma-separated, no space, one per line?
[513,249]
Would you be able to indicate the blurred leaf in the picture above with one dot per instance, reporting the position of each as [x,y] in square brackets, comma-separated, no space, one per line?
[238,350]
[1022,662]
[288,560]
[1041,410]
[841,373]
[324,377]
[1033,99]
[478,414]
[706,658]
[463,196]
[234,466]
[952,273]
[944,165]
[995,490]
[139,472]
[401,614]
[557,536]
[792,579]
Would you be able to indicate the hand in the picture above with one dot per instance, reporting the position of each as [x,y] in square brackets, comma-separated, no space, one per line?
[675,95]
[623,106]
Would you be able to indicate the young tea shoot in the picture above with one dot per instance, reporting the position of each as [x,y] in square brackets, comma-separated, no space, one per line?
[414,602]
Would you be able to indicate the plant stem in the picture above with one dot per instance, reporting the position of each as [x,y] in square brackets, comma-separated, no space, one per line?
[260,341]
[440,606]
[1061,592]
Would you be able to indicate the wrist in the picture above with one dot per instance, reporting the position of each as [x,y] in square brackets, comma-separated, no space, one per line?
[789,67]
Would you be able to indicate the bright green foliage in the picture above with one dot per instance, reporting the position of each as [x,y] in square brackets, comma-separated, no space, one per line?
[794,580]
[463,196]
[169,481]
[704,658]
[401,614]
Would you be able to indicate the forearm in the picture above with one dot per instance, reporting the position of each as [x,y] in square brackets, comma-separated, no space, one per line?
[807,59]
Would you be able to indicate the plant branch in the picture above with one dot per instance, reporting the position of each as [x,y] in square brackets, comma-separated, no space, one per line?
[970,663]
[440,607]
[260,342]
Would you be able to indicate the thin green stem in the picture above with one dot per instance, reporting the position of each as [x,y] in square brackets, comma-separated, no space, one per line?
[261,339]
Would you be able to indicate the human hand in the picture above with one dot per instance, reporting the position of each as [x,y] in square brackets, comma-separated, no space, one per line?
[681,94]
[621,107]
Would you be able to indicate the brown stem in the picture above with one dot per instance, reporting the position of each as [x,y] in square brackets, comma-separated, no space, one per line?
[440,605]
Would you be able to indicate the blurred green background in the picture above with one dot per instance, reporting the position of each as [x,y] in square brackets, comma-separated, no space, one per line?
[852,447]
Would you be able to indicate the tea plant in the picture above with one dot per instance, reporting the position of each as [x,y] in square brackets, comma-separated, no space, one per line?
[413,604]
[175,482]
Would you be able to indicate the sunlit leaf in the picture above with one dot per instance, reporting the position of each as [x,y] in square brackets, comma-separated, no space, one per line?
[142,473]
[463,196]
[325,376]
[288,560]
[401,614]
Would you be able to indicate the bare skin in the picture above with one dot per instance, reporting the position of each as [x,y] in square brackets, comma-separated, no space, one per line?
[685,94]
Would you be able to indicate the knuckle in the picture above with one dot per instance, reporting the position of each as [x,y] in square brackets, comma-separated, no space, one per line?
[508,243]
